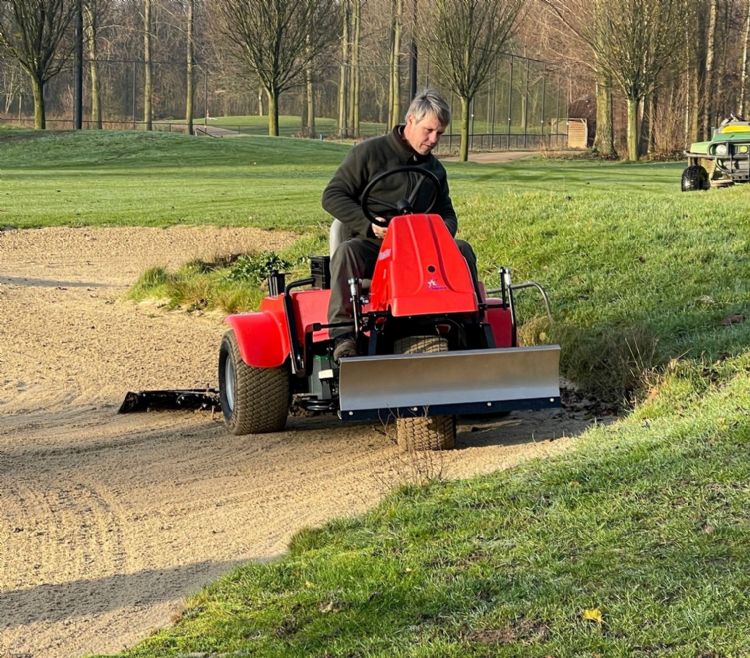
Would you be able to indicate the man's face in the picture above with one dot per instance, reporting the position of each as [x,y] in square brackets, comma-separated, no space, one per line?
[423,135]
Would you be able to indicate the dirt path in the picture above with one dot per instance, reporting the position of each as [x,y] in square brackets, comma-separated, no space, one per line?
[107,521]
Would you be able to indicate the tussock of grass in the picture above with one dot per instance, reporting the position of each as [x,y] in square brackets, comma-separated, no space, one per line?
[228,284]
[645,526]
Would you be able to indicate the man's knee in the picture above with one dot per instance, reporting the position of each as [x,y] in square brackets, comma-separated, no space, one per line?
[355,257]
[466,251]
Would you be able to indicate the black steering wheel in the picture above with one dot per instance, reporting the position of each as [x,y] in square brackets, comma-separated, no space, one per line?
[403,206]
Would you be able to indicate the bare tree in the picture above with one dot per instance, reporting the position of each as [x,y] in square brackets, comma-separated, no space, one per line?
[743,67]
[636,40]
[93,11]
[468,36]
[344,67]
[33,32]
[574,15]
[271,37]
[148,86]
[190,75]
[11,84]
[394,96]
[354,77]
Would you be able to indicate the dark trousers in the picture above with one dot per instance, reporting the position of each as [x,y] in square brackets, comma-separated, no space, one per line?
[356,258]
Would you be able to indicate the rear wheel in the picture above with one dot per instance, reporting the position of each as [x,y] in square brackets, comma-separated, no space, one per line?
[253,400]
[424,432]
[694,178]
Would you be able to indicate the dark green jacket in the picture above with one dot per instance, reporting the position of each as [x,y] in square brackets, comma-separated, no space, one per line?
[342,196]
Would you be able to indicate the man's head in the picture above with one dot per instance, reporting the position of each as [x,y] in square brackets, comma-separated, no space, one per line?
[426,119]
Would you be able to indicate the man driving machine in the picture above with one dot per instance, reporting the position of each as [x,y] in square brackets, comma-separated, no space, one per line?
[408,144]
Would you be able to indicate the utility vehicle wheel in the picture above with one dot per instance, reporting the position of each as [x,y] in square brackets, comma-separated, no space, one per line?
[426,432]
[253,400]
[694,177]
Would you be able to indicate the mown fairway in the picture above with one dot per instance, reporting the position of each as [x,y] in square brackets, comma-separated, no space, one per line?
[633,545]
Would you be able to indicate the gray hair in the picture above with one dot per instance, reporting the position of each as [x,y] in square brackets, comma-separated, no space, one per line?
[429,101]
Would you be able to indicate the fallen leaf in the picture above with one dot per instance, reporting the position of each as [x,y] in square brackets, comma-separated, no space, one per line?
[593,614]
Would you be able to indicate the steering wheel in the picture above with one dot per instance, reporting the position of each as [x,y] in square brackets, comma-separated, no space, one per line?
[403,206]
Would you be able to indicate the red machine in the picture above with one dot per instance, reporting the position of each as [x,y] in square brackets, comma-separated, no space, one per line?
[433,343]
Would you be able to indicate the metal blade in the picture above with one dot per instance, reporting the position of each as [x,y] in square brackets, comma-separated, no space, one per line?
[204,399]
[447,383]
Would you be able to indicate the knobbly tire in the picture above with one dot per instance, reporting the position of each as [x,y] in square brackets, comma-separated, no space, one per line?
[425,432]
[253,400]
[694,178]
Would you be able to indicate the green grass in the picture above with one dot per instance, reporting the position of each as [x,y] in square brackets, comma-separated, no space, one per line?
[289,126]
[643,528]
[159,179]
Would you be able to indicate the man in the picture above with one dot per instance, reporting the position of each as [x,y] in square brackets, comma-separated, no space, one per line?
[408,144]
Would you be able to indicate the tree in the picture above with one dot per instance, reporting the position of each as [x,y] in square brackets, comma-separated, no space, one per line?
[743,67]
[468,36]
[354,77]
[394,96]
[93,10]
[636,40]
[271,38]
[148,85]
[190,75]
[344,67]
[33,33]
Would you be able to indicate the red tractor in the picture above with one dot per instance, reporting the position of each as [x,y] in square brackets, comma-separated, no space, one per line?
[433,342]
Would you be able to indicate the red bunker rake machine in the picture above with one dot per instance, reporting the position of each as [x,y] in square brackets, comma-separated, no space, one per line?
[434,344]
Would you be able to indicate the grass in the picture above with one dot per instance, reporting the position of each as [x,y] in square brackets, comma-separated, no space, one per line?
[160,179]
[289,126]
[634,544]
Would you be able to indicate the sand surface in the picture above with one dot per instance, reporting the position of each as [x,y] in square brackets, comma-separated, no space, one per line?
[108,521]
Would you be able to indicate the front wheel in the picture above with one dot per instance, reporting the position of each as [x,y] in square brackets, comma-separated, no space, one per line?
[253,400]
[694,178]
[424,432]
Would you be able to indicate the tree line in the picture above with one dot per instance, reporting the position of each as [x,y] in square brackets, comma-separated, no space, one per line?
[674,67]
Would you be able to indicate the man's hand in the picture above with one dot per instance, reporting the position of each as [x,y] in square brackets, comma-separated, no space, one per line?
[378,230]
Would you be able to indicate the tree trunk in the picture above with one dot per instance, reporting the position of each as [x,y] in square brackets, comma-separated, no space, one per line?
[310,103]
[633,132]
[604,141]
[743,72]
[96,92]
[463,154]
[708,87]
[189,96]
[396,63]
[147,82]
[354,74]
[260,101]
[273,112]
[343,71]
[651,134]
[40,119]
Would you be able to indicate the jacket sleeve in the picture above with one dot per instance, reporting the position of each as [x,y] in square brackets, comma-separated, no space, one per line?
[341,195]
